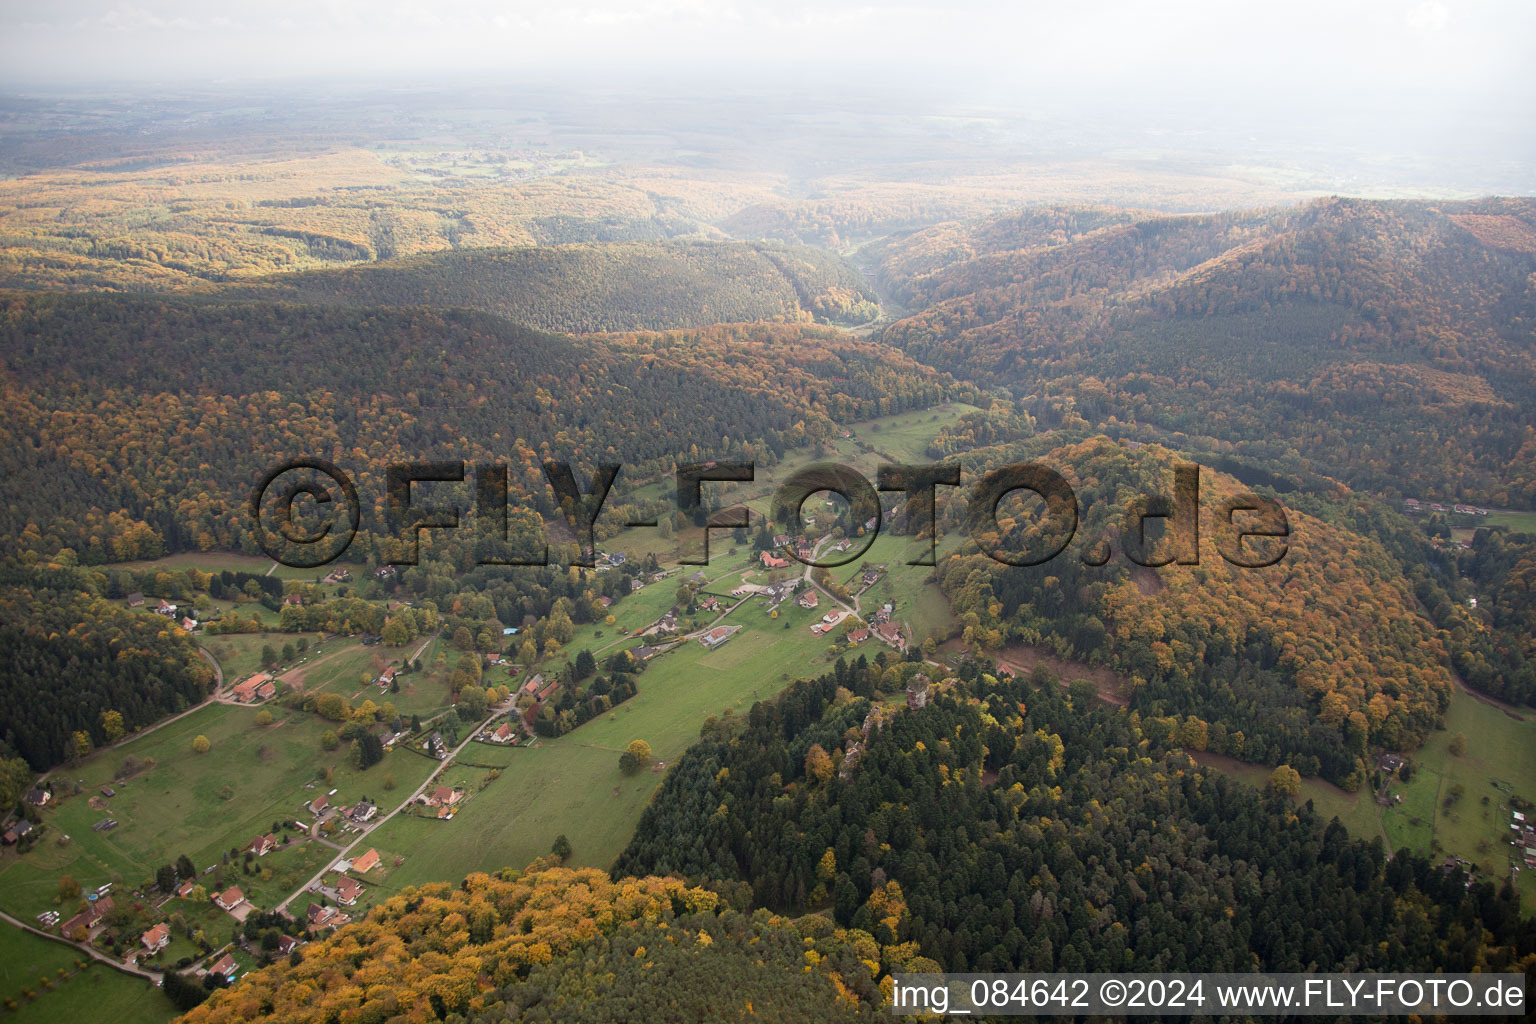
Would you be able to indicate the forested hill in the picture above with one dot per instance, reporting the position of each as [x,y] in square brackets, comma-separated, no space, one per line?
[556,944]
[1388,344]
[618,286]
[1309,661]
[1014,825]
[137,425]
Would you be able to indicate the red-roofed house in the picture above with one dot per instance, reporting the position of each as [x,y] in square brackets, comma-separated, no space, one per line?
[230,898]
[348,890]
[367,862]
[157,937]
[263,845]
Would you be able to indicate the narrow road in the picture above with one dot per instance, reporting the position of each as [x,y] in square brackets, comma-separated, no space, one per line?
[431,778]
[91,951]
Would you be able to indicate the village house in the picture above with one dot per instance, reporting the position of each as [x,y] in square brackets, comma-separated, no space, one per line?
[809,599]
[363,811]
[37,796]
[531,687]
[338,576]
[189,624]
[230,899]
[347,891]
[263,845]
[166,608]
[644,653]
[225,967]
[780,540]
[710,604]
[549,688]
[184,890]
[367,862]
[858,636]
[87,920]
[287,944]
[770,562]
[156,938]
[318,805]
[890,633]
[293,601]
[320,917]
[504,733]
[442,796]
[135,600]
[717,636]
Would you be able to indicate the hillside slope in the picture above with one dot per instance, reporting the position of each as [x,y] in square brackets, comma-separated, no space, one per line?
[1391,345]
[620,286]
[138,425]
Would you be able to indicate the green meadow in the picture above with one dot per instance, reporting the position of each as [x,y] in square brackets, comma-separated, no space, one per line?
[67,986]
[186,802]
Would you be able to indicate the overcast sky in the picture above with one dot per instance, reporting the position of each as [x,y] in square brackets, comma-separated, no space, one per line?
[1366,51]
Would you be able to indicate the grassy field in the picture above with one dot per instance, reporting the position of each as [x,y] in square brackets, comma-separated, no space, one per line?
[77,989]
[913,589]
[1519,522]
[239,654]
[572,785]
[198,804]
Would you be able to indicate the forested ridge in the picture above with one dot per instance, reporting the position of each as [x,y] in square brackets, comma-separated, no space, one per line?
[1388,344]
[1308,661]
[556,944]
[620,286]
[1012,824]
[72,655]
[138,425]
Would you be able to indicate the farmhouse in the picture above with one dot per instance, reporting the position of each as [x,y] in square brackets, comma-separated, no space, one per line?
[548,689]
[858,636]
[318,805]
[890,633]
[135,600]
[367,862]
[770,562]
[157,937]
[258,687]
[504,733]
[87,919]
